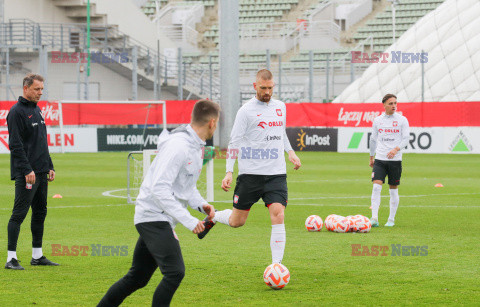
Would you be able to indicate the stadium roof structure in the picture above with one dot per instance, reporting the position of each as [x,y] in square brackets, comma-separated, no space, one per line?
[451,38]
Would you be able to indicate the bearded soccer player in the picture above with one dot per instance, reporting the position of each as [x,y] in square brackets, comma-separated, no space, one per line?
[390,136]
[259,138]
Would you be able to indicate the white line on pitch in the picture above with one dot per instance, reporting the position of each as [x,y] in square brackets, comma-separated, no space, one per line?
[365,206]
[362,197]
[292,204]
[86,206]
[109,193]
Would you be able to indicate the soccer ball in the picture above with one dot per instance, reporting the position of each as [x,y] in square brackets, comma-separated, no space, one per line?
[340,224]
[276,276]
[363,224]
[355,222]
[330,220]
[314,223]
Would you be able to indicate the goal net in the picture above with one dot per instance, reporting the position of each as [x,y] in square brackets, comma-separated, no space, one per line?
[138,163]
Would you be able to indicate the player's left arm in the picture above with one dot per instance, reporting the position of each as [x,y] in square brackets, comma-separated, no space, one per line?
[197,202]
[405,131]
[292,156]
[405,134]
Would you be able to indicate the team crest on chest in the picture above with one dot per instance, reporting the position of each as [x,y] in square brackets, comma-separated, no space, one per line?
[279,112]
[395,123]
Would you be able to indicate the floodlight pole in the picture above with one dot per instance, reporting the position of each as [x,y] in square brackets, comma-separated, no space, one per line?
[229,67]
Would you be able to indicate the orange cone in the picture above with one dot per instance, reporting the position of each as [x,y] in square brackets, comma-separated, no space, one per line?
[57,196]
[439,185]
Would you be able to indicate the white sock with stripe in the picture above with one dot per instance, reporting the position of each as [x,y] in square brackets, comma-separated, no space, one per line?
[277,242]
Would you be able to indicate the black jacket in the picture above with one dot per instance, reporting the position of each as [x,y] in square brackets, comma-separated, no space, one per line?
[27,140]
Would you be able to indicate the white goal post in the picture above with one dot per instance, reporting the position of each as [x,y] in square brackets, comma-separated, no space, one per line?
[142,159]
[138,163]
[61,102]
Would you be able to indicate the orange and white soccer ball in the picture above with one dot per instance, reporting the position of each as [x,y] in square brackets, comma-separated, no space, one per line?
[355,222]
[329,221]
[276,276]
[363,224]
[341,224]
[314,223]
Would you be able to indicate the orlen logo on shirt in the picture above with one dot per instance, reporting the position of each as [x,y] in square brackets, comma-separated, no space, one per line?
[388,130]
[270,124]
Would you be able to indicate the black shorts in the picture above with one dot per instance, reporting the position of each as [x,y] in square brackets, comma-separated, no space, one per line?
[249,189]
[392,169]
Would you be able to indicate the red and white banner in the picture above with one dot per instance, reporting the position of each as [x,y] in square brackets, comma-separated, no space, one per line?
[426,114]
[75,140]
[49,112]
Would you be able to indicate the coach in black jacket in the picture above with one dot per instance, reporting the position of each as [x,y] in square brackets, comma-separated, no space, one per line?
[31,168]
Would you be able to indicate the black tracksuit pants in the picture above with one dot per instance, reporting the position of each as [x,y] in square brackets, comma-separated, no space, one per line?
[36,197]
[157,247]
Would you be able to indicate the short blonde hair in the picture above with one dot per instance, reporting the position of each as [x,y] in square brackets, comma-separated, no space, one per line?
[264,74]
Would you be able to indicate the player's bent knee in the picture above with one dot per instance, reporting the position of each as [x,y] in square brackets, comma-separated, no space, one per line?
[237,223]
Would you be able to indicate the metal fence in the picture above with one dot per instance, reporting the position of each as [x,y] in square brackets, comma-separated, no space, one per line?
[148,69]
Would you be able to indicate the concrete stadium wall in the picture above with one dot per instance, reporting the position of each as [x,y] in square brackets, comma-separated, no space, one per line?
[35,10]
[133,22]
[112,86]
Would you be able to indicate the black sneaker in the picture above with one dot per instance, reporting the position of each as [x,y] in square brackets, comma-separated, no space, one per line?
[14,265]
[42,261]
[208,225]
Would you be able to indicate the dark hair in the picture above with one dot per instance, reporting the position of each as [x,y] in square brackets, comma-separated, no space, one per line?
[264,74]
[204,110]
[28,80]
[388,96]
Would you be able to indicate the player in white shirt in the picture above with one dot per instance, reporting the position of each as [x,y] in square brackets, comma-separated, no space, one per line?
[390,136]
[258,139]
[169,186]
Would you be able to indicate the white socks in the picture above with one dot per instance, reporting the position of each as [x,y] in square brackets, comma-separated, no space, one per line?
[37,253]
[223,216]
[376,194]
[394,201]
[11,255]
[277,242]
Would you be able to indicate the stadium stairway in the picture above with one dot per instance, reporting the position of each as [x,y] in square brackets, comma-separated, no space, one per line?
[107,37]
[77,10]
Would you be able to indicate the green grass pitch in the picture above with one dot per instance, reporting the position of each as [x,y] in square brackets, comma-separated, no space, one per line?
[225,269]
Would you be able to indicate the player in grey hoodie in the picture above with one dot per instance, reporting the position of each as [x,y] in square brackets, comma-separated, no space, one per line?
[167,189]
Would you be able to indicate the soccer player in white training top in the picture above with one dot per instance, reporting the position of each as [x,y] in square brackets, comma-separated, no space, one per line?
[389,137]
[258,139]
